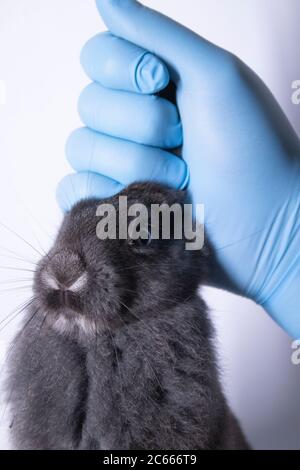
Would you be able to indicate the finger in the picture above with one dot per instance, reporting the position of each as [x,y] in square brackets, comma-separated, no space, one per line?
[85,185]
[119,64]
[145,119]
[124,161]
[172,42]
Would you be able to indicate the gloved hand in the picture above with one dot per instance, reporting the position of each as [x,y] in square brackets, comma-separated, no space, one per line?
[242,154]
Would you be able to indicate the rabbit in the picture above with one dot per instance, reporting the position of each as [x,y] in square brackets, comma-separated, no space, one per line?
[116,351]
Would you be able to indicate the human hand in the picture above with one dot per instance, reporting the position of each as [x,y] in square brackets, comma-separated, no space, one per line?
[242,154]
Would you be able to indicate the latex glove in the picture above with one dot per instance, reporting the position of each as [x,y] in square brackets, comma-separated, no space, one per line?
[243,155]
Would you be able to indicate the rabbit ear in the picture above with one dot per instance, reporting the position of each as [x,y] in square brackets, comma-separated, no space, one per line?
[183,196]
[172,196]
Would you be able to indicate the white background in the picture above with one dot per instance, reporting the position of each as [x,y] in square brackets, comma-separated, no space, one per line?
[40,42]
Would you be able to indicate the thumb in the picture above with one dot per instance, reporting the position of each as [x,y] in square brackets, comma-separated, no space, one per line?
[172,42]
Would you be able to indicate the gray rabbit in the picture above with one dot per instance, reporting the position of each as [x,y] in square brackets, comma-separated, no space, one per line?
[116,349]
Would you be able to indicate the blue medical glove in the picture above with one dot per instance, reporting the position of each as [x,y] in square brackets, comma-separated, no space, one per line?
[242,154]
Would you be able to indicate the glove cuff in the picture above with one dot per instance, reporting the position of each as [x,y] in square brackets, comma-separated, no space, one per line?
[284,304]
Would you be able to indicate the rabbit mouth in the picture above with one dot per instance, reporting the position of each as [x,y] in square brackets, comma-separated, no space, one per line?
[67,323]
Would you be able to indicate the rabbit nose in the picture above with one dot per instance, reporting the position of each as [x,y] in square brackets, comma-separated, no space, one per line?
[65,272]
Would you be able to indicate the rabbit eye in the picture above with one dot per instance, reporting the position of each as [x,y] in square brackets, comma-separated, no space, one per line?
[143,241]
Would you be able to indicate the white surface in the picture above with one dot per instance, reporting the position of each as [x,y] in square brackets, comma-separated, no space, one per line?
[40,43]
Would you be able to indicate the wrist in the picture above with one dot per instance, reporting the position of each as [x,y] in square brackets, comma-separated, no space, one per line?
[283,304]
